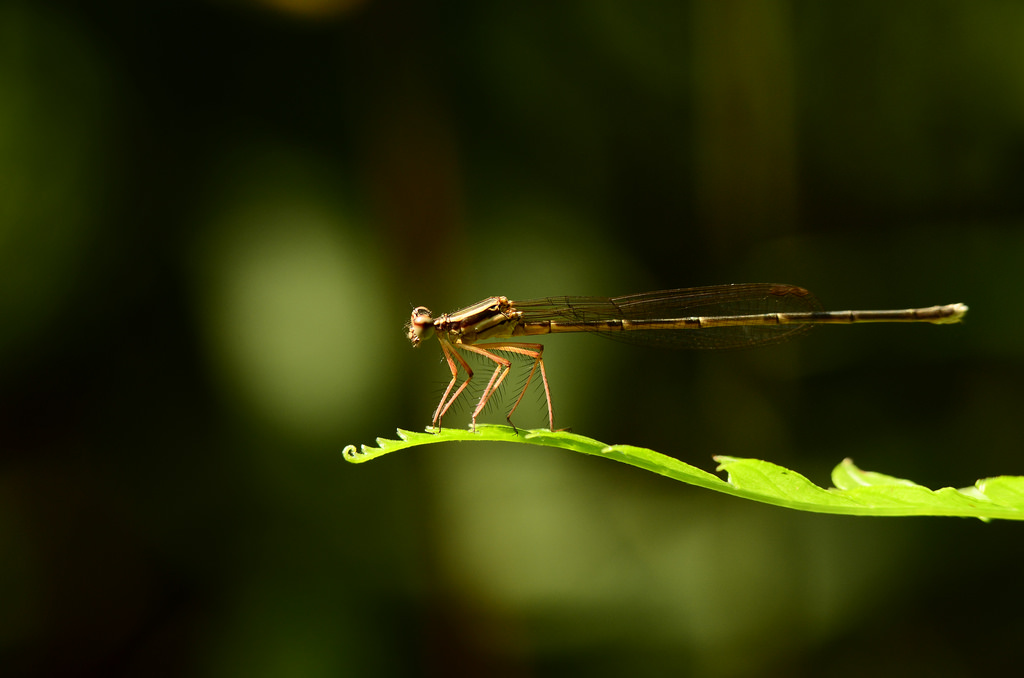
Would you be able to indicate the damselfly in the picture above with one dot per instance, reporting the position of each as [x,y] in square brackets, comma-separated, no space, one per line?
[721,316]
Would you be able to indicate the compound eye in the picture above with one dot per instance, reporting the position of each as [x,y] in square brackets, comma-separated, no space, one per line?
[421,325]
[421,317]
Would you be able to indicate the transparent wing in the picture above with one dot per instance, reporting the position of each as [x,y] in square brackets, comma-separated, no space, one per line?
[718,300]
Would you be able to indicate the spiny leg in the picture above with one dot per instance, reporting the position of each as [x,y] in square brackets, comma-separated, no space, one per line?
[451,356]
[532,351]
[547,392]
[535,352]
[500,372]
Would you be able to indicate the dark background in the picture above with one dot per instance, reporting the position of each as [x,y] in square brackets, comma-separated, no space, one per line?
[215,218]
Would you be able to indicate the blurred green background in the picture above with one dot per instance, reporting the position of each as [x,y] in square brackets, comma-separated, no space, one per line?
[215,218]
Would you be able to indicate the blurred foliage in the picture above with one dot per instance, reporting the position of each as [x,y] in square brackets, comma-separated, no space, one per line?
[215,217]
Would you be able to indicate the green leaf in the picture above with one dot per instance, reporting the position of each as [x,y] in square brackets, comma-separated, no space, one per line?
[856,492]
